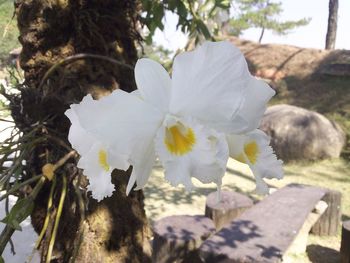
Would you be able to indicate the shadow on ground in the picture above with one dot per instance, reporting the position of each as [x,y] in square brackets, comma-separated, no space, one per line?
[320,254]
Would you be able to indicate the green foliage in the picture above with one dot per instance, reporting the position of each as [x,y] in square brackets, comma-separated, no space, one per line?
[8,29]
[19,212]
[193,16]
[159,54]
[262,14]
[237,26]
[7,87]
[207,19]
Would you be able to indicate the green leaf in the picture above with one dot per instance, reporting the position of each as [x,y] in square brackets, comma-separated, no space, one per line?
[2,260]
[158,14]
[203,29]
[224,4]
[182,10]
[19,212]
[148,39]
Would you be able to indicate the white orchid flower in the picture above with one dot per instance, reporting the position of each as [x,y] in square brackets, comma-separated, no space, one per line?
[183,120]
[97,159]
[254,150]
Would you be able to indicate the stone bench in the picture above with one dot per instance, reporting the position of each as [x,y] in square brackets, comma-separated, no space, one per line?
[265,232]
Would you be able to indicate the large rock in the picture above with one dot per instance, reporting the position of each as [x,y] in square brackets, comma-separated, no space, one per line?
[299,134]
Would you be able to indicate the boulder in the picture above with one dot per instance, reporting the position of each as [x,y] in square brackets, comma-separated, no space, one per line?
[300,134]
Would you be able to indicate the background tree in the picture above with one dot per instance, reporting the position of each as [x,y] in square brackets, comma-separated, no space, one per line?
[332,24]
[195,18]
[262,14]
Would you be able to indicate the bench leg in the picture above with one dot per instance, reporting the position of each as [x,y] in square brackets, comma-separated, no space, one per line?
[345,243]
[329,222]
[222,212]
[300,242]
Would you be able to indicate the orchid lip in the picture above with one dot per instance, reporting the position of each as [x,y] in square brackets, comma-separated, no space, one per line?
[179,138]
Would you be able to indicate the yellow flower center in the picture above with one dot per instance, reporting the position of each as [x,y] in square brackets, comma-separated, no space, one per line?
[102,160]
[179,139]
[251,150]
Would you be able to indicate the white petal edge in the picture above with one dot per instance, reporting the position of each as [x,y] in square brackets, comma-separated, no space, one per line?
[205,162]
[100,183]
[209,84]
[79,138]
[142,169]
[257,94]
[153,82]
[267,164]
[123,121]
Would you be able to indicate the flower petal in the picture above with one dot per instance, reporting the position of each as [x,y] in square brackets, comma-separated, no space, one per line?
[101,187]
[214,76]
[179,172]
[153,82]
[217,155]
[124,122]
[261,186]
[82,140]
[253,149]
[206,160]
[142,169]
[79,138]
[236,145]
[268,164]
[257,94]
[99,177]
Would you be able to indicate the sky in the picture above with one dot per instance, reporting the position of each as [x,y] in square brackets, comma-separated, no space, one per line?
[312,36]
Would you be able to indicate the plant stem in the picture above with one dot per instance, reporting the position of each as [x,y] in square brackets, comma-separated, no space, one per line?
[46,222]
[37,188]
[57,220]
[82,220]
[5,237]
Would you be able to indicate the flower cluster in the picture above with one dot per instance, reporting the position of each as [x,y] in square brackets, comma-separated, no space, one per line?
[208,111]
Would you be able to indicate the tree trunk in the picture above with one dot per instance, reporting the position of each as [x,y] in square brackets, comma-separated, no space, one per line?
[116,229]
[332,24]
[261,35]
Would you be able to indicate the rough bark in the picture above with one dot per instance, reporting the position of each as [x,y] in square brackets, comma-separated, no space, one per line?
[115,229]
[332,24]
